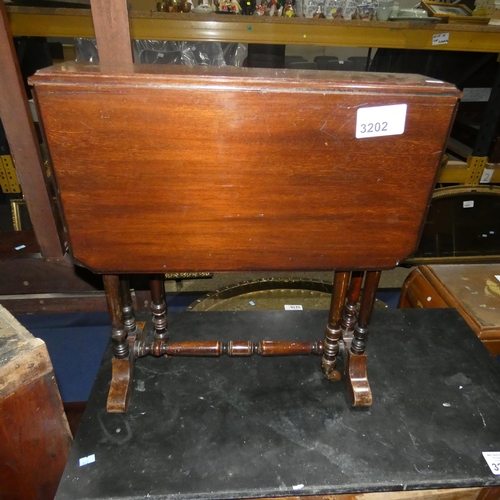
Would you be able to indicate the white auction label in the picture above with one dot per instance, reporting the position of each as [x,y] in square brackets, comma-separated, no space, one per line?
[293,307]
[468,204]
[493,460]
[86,460]
[440,39]
[487,175]
[379,121]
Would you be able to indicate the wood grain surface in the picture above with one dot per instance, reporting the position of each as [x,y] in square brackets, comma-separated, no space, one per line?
[34,433]
[230,169]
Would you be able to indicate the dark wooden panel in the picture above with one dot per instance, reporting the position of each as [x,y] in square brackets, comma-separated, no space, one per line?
[23,143]
[186,169]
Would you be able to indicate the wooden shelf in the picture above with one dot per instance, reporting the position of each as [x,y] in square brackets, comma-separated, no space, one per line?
[72,23]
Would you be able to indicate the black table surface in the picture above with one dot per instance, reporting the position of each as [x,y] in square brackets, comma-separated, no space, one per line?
[221,428]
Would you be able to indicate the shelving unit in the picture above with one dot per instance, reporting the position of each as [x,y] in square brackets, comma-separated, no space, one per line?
[26,21]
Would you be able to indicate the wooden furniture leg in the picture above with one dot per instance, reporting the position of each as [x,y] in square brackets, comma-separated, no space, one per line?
[158,306]
[333,332]
[129,322]
[351,308]
[122,362]
[357,379]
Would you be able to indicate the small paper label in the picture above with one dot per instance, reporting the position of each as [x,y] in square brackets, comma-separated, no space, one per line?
[293,307]
[440,38]
[468,204]
[487,175]
[493,460]
[497,276]
[380,121]
[86,460]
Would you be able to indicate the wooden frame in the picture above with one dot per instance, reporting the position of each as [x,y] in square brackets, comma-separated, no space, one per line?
[453,13]
[445,10]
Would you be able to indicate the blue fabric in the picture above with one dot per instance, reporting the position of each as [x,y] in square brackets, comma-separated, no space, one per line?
[75,350]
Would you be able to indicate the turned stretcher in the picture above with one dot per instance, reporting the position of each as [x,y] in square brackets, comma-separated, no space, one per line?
[176,169]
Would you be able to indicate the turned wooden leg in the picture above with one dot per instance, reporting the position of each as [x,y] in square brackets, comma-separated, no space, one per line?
[358,385]
[358,344]
[158,306]
[127,307]
[351,307]
[333,332]
[119,391]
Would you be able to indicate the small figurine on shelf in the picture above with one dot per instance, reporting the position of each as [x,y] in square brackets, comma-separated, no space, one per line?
[234,7]
[289,9]
[173,6]
[247,7]
[259,10]
[319,12]
[185,6]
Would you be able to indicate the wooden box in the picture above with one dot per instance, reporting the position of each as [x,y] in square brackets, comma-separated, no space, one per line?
[34,435]
[472,289]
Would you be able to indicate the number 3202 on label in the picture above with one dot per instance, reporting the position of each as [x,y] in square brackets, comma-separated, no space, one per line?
[380,121]
[367,128]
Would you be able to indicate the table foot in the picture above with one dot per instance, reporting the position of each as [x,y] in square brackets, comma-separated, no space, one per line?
[357,380]
[121,385]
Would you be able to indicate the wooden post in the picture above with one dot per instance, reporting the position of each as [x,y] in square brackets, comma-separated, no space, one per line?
[358,344]
[158,306]
[356,373]
[333,332]
[351,307]
[123,357]
[129,322]
[24,147]
[112,31]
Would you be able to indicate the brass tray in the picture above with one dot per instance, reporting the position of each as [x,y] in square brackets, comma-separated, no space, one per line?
[269,294]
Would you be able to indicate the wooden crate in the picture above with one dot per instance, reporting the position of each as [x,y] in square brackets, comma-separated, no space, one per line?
[472,289]
[34,433]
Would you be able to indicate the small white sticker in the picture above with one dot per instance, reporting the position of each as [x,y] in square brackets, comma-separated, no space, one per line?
[497,276]
[440,38]
[293,307]
[20,247]
[469,204]
[297,487]
[493,460]
[380,121]
[487,175]
[86,460]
